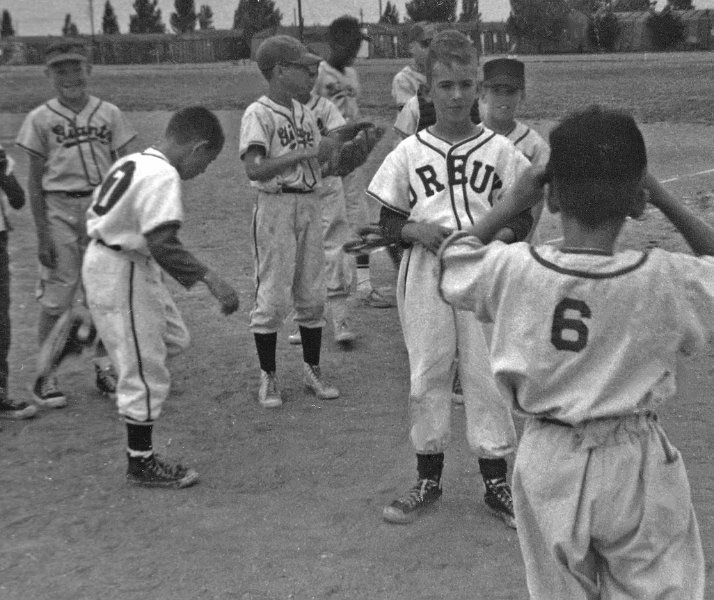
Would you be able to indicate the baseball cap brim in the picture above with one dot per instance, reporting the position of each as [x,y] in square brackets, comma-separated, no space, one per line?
[309,59]
[504,80]
[58,58]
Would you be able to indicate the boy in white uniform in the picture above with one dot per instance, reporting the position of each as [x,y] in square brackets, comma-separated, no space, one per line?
[134,222]
[602,499]
[440,180]
[407,82]
[71,140]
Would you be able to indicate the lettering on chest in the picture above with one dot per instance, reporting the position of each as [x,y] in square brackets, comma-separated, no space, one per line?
[295,137]
[474,175]
[73,135]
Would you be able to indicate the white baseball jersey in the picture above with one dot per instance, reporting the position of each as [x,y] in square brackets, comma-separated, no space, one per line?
[408,118]
[405,84]
[78,148]
[279,131]
[4,224]
[142,192]
[529,141]
[342,88]
[429,179]
[582,336]
[328,116]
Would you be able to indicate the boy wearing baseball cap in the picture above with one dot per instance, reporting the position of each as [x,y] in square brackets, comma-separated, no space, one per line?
[503,89]
[601,496]
[71,141]
[407,82]
[282,151]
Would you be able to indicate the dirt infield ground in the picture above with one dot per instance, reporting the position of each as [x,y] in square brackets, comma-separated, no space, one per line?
[289,502]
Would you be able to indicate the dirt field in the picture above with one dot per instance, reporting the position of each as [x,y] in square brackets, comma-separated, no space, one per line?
[289,502]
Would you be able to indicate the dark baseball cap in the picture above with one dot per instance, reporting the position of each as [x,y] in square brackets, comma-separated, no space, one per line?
[504,71]
[283,49]
[422,32]
[64,50]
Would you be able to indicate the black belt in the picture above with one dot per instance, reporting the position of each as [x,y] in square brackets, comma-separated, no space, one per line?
[114,247]
[72,194]
[291,190]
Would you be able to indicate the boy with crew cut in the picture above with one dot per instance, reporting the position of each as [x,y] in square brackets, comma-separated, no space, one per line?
[283,151]
[440,180]
[71,140]
[601,495]
[133,223]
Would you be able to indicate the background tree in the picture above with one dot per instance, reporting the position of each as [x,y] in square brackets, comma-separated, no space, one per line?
[468,11]
[538,20]
[184,19]
[667,29]
[205,17]
[632,5]
[437,11]
[147,17]
[110,25]
[603,29]
[390,16]
[681,4]
[253,16]
[69,28]
[6,28]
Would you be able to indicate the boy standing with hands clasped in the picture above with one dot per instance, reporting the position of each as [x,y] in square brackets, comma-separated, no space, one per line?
[440,180]
[283,152]
[71,140]
[602,499]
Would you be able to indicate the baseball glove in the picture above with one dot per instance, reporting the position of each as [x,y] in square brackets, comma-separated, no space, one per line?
[73,332]
[354,153]
[370,238]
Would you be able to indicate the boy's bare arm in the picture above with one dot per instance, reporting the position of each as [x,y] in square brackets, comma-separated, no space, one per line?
[428,235]
[258,167]
[45,246]
[698,234]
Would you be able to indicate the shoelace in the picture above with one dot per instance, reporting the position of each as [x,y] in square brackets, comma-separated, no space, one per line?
[162,469]
[416,494]
[501,490]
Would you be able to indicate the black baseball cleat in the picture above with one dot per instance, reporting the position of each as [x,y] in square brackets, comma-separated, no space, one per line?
[499,499]
[406,508]
[155,471]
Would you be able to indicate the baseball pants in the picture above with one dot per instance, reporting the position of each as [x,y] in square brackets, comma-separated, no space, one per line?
[68,228]
[604,512]
[340,268]
[289,261]
[433,333]
[139,324]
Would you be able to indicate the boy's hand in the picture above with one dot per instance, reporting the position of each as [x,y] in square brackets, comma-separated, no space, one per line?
[223,292]
[428,235]
[46,250]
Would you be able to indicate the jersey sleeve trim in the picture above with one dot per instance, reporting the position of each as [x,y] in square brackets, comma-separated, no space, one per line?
[524,136]
[31,151]
[386,204]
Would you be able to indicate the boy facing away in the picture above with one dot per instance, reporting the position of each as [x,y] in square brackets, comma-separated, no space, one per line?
[282,151]
[133,223]
[601,495]
[71,140]
[440,180]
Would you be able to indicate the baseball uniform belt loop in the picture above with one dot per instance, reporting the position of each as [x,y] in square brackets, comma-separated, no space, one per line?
[82,194]
[114,247]
[291,190]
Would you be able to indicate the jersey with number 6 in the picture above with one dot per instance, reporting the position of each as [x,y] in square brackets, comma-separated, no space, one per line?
[581,336]
[141,192]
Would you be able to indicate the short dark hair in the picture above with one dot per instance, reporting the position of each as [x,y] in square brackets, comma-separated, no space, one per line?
[597,159]
[449,47]
[195,124]
[343,29]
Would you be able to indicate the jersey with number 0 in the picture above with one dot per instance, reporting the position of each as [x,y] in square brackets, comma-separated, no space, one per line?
[280,130]
[78,148]
[582,336]
[428,179]
[141,192]
[340,87]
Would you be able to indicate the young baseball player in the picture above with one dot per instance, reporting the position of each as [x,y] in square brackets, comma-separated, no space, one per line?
[133,223]
[601,495]
[337,81]
[11,196]
[407,82]
[71,141]
[440,180]
[502,91]
[282,150]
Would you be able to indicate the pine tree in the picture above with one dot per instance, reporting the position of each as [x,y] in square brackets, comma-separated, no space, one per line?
[110,25]
[147,18]
[437,11]
[390,16]
[184,19]
[253,16]
[468,11]
[205,17]
[69,28]
[6,29]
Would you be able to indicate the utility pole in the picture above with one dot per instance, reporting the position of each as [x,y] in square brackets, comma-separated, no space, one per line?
[91,18]
[380,10]
[300,21]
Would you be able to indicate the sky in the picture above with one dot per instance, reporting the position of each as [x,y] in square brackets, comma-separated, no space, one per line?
[46,17]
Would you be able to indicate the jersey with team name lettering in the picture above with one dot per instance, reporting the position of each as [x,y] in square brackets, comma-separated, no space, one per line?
[280,130]
[428,179]
[78,147]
